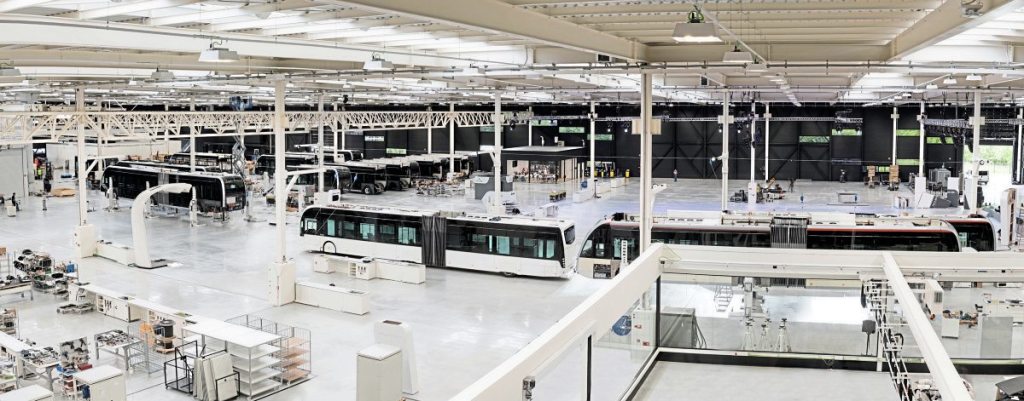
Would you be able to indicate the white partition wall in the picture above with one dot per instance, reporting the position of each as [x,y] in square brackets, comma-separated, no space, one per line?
[16,165]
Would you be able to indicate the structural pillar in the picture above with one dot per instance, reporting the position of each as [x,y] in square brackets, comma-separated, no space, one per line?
[1019,151]
[451,138]
[725,120]
[593,135]
[282,272]
[895,120]
[767,137]
[972,184]
[497,152]
[85,233]
[920,142]
[753,127]
[319,141]
[646,154]
[430,133]
[529,125]
[192,138]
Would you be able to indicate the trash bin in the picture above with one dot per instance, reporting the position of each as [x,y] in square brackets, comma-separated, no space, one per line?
[12,211]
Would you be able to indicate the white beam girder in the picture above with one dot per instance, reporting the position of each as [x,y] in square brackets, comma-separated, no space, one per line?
[268,23]
[941,367]
[55,31]
[131,8]
[340,25]
[7,6]
[231,12]
[833,52]
[501,18]
[18,128]
[944,22]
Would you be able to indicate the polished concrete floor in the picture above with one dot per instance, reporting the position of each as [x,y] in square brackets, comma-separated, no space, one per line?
[464,323]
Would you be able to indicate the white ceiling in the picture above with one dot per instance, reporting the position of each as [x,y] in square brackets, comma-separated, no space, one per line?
[533,50]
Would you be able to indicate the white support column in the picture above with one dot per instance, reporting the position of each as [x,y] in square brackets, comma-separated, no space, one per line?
[725,119]
[319,141]
[529,126]
[972,185]
[192,138]
[593,135]
[646,154]
[334,134]
[920,142]
[451,138]
[753,127]
[940,366]
[83,197]
[767,137]
[1020,146]
[281,288]
[497,150]
[430,135]
[85,233]
[895,119]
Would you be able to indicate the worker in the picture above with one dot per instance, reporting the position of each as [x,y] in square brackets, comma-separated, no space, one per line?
[14,201]
[627,173]
[46,186]
[675,175]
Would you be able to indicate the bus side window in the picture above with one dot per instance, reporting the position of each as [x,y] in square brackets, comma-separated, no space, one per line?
[310,227]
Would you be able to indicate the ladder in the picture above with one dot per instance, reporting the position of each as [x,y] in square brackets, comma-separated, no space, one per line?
[723,298]
[888,324]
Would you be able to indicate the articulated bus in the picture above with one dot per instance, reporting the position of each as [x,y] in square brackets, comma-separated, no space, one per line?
[509,245]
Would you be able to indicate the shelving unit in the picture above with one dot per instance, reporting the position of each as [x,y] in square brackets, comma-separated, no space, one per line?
[9,321]
[293,349]
[252,354]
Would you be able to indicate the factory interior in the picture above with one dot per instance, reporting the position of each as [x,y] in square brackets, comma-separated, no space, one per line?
[511,200]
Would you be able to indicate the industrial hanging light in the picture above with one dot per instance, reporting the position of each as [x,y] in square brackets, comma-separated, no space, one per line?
[695,30]
[738,56]
[162,75]
[949,81]
[218,54]
[377,63]
[974,77]
[756,67]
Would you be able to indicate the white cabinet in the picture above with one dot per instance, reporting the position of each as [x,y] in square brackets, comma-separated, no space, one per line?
[106,383]
[379,373]
[118,308]
[34,392]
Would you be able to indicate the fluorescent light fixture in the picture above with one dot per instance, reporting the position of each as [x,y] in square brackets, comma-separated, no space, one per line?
[471,72]
[162,75]
[378,64]
[974,77]
[949,81]
[424,81]
[218,55]
[738,56]
[695,30]
[931,86]
[756,67]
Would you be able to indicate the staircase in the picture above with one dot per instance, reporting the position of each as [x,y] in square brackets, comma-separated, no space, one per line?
[723,298]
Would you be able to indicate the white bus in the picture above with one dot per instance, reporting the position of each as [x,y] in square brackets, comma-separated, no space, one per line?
[512,246]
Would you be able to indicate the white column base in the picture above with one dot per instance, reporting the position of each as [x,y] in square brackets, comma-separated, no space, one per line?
[281,283]
[85,241]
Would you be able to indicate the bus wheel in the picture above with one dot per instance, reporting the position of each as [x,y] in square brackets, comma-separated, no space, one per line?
[367,190]
[329,248]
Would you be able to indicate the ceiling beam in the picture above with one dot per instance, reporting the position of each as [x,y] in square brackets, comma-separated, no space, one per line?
[230,13]
[945,22]
[498,17]
[7,6]
[288,20]
[130,8]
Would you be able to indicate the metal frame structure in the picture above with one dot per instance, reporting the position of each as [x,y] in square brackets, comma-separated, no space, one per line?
[667,263]
[21,128]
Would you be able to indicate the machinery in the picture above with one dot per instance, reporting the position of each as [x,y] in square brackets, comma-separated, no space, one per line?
[938,178]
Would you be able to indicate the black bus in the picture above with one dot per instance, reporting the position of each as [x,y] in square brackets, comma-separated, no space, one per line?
[367,178]
[335,177]
[215,192]
[265,163]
